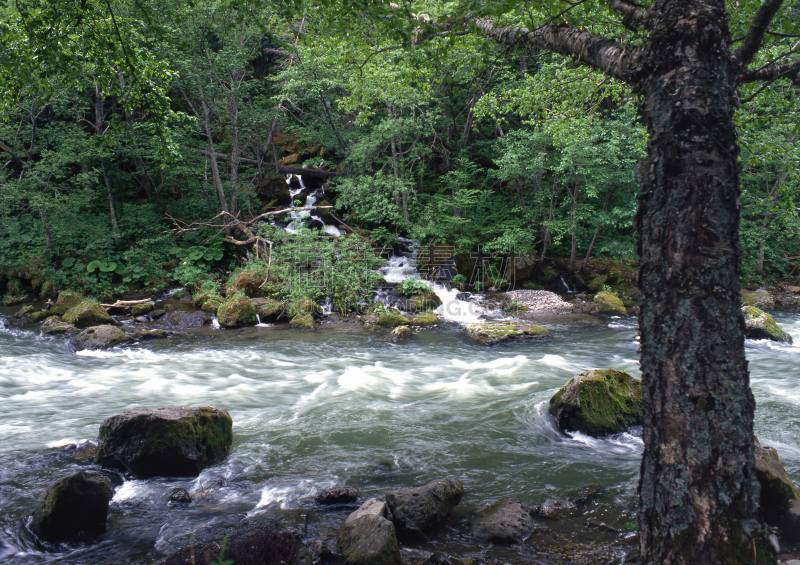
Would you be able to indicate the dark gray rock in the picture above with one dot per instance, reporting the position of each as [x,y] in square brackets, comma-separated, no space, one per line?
[336,496]
[174,442]
[553,508]
[182,320]
[55,326]
[790,525]
[418,510]
[504,523]
[73,508]
[180,495]
[368,538]
[777,488]
[100,337]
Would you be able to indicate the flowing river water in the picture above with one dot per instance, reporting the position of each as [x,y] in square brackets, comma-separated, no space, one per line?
[340,407]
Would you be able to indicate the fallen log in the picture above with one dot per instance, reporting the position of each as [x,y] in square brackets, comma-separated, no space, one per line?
[125,304]
[285,169]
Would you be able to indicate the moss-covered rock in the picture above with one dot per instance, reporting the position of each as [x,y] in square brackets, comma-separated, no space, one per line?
[73,508]
[491,333]
[398,334]
[99,337]
[54,325]
[66,300]
[153,334]
[24,312]
[305,307]
[212,303]
[392,319]
[180,294]
[425,319]
[270,311]
[172,442]
[302,321]
[422,302]
[87,314]
[596,284]
[777,488]
[760,299]
[237,312]
[598,403]
[760,325]
[142,309]
[250,281]
[608,303]
[48,290]
[39,316]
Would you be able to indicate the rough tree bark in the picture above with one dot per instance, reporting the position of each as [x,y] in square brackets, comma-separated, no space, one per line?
[698,492]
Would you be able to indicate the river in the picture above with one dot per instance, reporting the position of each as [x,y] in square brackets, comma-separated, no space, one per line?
[338,407]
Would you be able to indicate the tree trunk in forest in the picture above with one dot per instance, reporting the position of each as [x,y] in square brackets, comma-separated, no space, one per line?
[573,226]
[235,154]
[212,154]
[698,491]
[111,206]
[47,231]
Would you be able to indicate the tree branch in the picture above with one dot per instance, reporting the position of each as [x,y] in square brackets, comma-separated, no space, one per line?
[771,72]
[758,28]
[615,59]
[634,16]
[14,157]
[280,168]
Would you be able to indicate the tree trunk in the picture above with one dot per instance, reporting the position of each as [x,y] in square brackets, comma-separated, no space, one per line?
[573,227]
[213,154]
[234,114]
[111,206]
[698,491]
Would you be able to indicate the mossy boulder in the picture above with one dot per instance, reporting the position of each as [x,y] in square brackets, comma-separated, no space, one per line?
[66,300]
[305,307]
[760,325]
[608,303]
[237,312]
[777,488]
[596,284]
[171,442]
[24,312]
[399,334]
[99,337]
[54,325]
[392,319]
[425,319]
[598,403]
[250,281]
[74,508]
[491,333]
[142,309]
[39,316]
[48,290]
[368,538]
[211,303]
[302,321]
[422,302]
[760,299]
[269,311]
[87,314]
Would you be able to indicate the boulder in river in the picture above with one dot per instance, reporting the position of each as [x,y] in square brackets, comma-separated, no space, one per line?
[172,442]
[74,508]
[256,541]
[504,523]
[422,302]
[268,311]
[302,321]
[425,319]
[392,319]
[87,314]
[760,299]
[336,496]
[760,325]
[777,488]
[66,300]
[181,319]
[399,334]
[99,337]
[417,510]
[142,309]
[491,333]
[368,538]
[598,403]
[55,326]
[212,303]
[237,312]
[607,303]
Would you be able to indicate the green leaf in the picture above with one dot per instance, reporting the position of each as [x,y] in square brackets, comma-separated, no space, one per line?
[68,262]
[195,255]
[93,266]
[108,267]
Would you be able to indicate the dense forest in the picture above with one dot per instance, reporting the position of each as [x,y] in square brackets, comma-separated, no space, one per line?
[162,155]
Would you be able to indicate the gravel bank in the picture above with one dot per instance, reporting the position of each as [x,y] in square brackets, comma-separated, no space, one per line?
[541,301]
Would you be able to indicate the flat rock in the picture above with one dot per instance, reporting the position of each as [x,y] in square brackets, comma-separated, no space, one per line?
[99,337]
[491,333]
[172,442]
[504,523]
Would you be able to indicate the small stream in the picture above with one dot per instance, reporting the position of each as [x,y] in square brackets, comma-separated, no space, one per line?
[339,407]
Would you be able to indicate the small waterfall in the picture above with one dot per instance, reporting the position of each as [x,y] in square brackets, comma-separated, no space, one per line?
[327,306]
[399,268]
[215,323]
[570,289]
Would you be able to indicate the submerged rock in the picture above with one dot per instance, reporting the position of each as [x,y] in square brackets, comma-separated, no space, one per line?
[418,510]
[391,319]
[760,325]
[180,495]
[172,442]
[777,488]
[425,319]
[399,334]
[257,541]
[66,300]
[491,333]
[99,337]
[760,299]
[237,312]
[553,507]
[607,303]
[368,538]
[598,403]
[87,314]
[73,508]
[504,523]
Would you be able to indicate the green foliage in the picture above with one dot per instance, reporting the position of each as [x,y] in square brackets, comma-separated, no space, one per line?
[414,285]
[195,262]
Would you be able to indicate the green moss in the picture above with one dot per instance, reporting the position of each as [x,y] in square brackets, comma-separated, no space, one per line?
[270,311]
[608,303]
[142,309]
[491,333]
[211,303]
[66,300]
[760,325]
[777,487]
[422,302]
[391,319]
[238,311]
[598,402]
[596,284]
[759,299]
[87,313]
[39,316]
[425,319]
[303,321]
